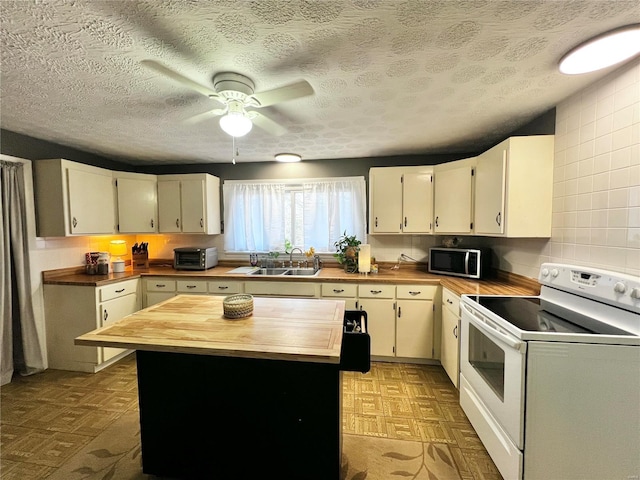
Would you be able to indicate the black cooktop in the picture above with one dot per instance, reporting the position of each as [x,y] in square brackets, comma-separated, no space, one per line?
[533,314]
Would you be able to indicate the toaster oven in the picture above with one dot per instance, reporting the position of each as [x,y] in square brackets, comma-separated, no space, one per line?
[195,258]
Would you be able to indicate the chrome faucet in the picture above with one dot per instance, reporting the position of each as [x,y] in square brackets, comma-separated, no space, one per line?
[291,256]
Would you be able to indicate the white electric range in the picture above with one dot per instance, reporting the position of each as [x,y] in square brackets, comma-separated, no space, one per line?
[552,383]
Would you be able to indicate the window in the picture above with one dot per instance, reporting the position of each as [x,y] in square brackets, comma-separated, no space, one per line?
[260,215]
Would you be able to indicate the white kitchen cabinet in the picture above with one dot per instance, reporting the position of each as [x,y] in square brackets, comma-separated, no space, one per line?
[157,289]
[72,310]
[225,287]
[401,200]
[342,291]
[73,199]
[453,197]
[450,340]
[415,314]
[379,303]
[514,188]
[137,202]
[282,289]
[189,203]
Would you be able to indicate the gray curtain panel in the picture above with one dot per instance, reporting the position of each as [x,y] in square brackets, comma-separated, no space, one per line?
[18,335]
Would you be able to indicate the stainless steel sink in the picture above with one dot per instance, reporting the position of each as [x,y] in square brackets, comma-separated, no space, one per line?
[290,272]
[269,271]
[303,272]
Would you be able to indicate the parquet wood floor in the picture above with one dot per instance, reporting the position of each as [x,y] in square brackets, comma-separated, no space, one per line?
[47,418]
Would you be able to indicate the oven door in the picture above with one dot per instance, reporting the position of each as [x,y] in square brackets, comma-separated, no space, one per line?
[493,363]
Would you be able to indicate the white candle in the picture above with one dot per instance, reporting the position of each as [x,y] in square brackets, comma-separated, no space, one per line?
[364,259]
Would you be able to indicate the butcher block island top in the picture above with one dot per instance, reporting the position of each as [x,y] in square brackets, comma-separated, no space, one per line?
[302,330]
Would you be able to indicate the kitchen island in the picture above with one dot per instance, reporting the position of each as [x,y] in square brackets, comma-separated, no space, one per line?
[246,398]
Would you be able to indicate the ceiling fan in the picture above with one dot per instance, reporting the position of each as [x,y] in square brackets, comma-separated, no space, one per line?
[236,93]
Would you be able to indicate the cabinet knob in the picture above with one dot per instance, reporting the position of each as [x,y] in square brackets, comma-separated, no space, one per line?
[376,221]
[201,222]
[399,312]
[405,221]
[449,302]
[437,221]
[455,331]
[105,315]
[152,223]
[178,222]
[499,218]
[74,222]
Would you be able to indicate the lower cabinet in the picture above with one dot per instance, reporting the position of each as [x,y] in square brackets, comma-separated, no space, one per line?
[415,321]
[157,290]
[72,310]
[450,340]
[379,303]
[341,291]
[283,289]
[225,288]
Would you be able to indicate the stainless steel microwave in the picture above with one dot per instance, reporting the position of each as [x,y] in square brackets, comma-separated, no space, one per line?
[195,258]
[461,262]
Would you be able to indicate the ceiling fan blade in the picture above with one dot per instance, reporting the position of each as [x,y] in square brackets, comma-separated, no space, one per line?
[201,117]
[266,124]
[282,94]
[187,82]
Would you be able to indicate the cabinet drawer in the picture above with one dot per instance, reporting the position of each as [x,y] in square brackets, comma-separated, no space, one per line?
[451,301]
[282,289]
[418,292]
[225,288]
[376,291]
[192,286]
[160,285]
[119,289]
[339,290]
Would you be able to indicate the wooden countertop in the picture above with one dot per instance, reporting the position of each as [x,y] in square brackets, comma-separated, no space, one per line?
[502,284]
[301,330]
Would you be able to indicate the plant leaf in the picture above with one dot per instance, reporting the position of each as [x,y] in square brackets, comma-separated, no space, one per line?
[443,456]
[102,453]
[400,456]
[84,470]
[360,475]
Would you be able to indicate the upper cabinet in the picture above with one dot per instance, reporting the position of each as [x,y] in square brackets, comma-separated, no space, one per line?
[453,197]
[189,203]
[513,189]
[73,199]
[401,200]
[137,202]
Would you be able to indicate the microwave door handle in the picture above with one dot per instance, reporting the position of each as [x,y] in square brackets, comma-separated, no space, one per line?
[488,328]
[466,262]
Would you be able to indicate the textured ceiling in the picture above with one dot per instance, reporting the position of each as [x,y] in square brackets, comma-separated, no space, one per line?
[390,77]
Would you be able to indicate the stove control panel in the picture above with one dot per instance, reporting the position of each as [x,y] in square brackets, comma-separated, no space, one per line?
[618,289]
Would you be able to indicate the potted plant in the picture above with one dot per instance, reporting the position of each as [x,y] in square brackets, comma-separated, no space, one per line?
[347,252]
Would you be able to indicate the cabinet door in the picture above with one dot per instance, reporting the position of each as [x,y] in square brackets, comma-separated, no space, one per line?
[91,208]
[414,329]
[151,298]
[386,201]
[417,202]
[381,318]
[137,205]
[452,205]
[490,191]
[449,355]
[112,311]
[169,217]
[193,206]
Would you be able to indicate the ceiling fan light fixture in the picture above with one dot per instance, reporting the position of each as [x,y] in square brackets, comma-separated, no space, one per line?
[236,124]
[602,51]
[288,157]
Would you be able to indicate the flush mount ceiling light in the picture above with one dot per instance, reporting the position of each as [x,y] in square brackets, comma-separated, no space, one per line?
[602,51]
[288,157]
[236,122]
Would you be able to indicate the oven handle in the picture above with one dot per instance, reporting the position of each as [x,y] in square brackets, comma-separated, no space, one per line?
[488,327]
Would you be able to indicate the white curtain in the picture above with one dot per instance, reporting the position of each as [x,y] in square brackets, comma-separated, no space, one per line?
[331,208]
[254,216]
[18,335]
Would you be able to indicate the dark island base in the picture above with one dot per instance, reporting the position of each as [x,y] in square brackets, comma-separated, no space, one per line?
[222,417]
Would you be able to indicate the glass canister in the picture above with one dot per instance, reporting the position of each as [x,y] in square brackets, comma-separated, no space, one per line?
[103,263]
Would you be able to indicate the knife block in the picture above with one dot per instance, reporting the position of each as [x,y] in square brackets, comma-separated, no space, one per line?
[140,260]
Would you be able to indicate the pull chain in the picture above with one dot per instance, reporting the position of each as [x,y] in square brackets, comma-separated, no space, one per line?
[233,151]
